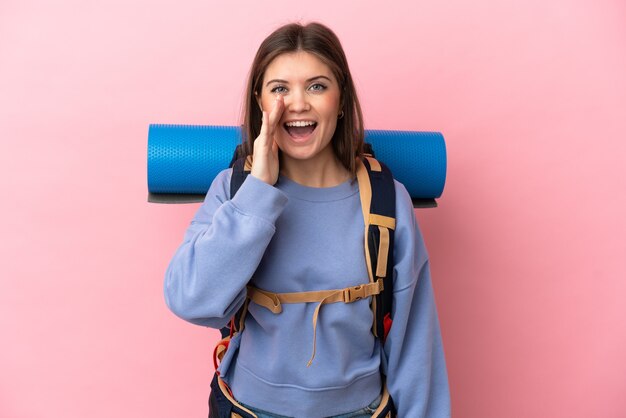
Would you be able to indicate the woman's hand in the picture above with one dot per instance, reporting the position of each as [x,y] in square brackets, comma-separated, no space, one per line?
[265,153]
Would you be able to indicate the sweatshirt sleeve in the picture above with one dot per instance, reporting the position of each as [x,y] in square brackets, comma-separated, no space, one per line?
[414,358]
[222,247]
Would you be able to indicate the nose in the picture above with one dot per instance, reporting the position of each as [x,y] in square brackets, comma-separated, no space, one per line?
[297,101]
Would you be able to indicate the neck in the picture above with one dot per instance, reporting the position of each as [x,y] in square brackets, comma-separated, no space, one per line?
[320,171]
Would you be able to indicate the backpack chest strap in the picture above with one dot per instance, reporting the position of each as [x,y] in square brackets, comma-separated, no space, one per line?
[274,301]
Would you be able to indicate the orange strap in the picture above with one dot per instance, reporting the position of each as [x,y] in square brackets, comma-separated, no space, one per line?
[273,301]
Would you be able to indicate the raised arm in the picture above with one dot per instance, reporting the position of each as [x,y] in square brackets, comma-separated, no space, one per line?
[206,278]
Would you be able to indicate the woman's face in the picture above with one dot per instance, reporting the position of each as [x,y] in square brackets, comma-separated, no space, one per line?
[312,105]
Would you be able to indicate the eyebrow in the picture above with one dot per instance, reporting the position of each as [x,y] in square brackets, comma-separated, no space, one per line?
[276,80]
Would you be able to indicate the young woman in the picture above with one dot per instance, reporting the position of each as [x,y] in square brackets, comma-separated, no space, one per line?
[295,225]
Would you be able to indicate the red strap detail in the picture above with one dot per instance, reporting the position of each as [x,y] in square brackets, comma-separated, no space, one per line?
[387,321]
[221,343]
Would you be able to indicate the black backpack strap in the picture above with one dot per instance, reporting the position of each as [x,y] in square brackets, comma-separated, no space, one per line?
[241,166]
[378,202]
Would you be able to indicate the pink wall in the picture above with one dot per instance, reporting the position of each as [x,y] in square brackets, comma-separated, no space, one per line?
[527,246]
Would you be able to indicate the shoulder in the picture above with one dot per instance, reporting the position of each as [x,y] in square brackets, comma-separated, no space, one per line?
[220,187]
[403,199]
[409,246]
[218,193]
[405,212]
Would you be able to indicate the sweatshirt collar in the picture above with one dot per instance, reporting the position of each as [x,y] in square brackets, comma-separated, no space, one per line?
[317,194]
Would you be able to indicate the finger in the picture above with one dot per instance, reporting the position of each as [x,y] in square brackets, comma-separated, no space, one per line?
[276,113]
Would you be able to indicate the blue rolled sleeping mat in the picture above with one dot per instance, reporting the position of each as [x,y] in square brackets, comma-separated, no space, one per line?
[183,160]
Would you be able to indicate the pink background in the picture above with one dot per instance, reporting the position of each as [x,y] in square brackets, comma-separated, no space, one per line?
[527,246]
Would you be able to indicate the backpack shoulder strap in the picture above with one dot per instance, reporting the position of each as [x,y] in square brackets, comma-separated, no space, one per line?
[378,202]
[241,168]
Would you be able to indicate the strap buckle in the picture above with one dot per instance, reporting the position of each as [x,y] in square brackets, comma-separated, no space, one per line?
[352,294]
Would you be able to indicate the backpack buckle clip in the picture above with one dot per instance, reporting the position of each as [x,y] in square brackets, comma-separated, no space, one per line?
[352,294]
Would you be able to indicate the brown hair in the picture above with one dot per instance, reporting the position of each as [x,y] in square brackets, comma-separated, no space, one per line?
[319,40]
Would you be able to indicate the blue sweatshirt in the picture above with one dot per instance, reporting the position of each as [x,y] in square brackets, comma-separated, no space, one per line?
[293,238]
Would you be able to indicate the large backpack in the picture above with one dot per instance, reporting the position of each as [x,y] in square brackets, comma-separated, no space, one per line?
[378,202]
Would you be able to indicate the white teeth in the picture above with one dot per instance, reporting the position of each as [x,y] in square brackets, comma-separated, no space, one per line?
[300,123]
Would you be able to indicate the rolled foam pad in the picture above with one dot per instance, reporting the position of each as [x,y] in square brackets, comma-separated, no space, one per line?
[416,159]
[184,159]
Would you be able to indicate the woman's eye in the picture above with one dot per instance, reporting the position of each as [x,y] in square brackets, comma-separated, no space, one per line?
[279,89]
[318,87]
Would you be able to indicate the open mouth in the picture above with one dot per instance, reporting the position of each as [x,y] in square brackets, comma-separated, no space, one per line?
[300,129]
